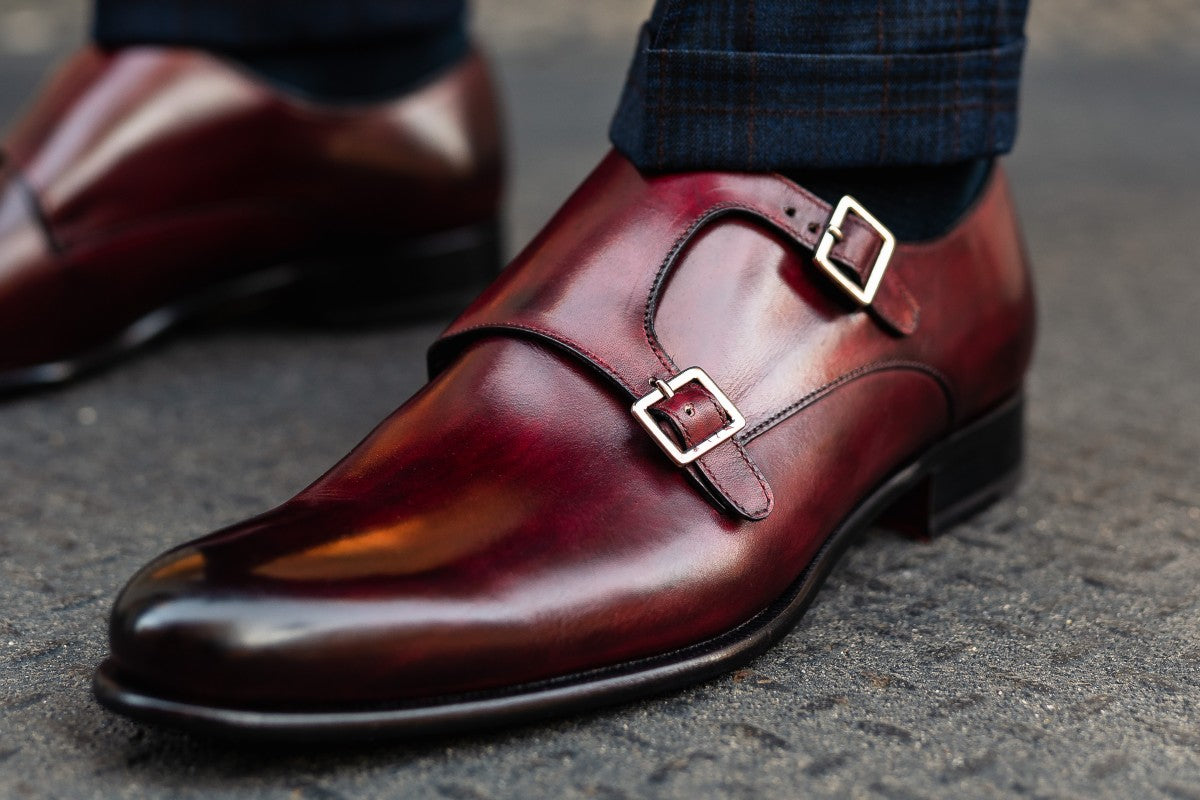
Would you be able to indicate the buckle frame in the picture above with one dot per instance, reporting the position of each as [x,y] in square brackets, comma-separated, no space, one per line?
[863,295]
[666,389]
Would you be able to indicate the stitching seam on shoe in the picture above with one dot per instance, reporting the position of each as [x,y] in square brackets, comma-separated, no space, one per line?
[570,344]
[858,372]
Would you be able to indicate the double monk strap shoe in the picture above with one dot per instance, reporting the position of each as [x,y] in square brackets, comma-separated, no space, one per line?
[640,453]
[147,187]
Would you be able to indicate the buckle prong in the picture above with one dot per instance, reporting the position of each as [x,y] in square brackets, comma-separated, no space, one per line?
[664,390]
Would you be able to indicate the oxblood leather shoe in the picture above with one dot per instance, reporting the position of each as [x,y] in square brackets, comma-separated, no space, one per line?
[641,451]
[148,186]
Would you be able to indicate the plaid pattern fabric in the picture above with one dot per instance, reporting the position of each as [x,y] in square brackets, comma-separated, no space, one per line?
[778,85]
[265,24]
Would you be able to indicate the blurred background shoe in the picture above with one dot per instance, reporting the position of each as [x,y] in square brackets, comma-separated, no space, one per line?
[150,186]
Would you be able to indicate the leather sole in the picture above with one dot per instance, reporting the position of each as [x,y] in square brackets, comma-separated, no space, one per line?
[952,480]
[432,275]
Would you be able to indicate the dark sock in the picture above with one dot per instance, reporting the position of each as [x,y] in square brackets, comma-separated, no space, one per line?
[914,202]
[355,73]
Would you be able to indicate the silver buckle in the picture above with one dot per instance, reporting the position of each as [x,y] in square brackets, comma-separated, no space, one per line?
[666,389]
[863,295]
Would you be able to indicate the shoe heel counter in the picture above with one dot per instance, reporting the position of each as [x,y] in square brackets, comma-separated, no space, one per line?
[1025,303]
[1001,340]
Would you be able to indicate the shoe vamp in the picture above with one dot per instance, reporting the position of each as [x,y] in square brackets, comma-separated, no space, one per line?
[509,523]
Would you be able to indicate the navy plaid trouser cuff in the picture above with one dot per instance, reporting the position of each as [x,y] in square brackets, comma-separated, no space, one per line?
[707,109]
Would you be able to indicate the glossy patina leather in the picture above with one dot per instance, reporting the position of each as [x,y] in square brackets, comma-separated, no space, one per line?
[142,175]
[512,523]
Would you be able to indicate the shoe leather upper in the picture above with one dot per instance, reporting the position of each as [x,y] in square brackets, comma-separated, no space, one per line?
[512,523]
[146,173]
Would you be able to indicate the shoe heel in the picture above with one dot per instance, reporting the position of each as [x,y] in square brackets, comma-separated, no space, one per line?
[968,472]
[432,275]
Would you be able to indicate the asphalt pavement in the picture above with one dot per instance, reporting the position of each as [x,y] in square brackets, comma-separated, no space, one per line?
[1048,648]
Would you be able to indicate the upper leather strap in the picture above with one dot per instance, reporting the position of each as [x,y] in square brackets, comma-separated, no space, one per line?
[596,295]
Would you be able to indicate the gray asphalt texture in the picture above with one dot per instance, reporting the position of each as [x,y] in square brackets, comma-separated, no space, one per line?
[1048,648]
